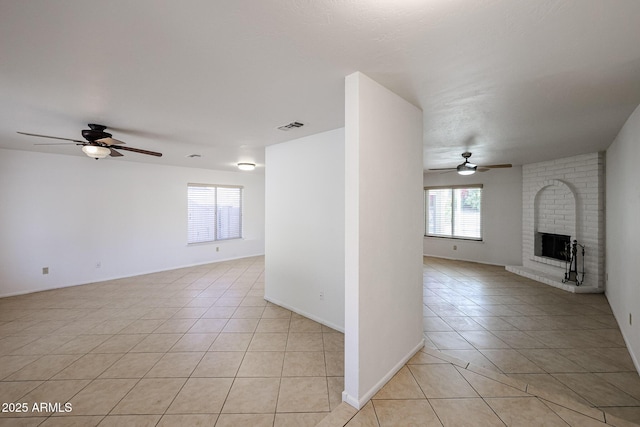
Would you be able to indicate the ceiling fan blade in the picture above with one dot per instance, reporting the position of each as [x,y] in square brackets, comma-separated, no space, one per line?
[114,153]
[52,137]
[110,141]
[505,165]
[60,143]
[138,150]
[442,169]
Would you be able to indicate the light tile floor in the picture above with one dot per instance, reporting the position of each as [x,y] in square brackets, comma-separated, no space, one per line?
[539,357]
[187,347]
[200,346]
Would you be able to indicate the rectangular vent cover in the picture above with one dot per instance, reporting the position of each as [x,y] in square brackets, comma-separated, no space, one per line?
[290,126]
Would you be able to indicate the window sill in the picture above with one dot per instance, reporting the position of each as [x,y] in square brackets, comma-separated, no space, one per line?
[457,239]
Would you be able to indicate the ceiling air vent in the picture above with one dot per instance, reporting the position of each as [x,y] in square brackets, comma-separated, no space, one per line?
[290,126]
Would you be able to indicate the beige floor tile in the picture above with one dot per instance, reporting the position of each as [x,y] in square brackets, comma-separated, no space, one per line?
[253,420]
[305,341]
[175,326]
[449,340]
[61,391]
[334,361]
[175,365]
[195,420]
[219,364]
[132,365]
[465,412]
[333,341]
[231,342]
[302,324]
[80,421]
[623,416]
[130,421]
[275,312]
[89,366]
[487,387]
[627,381]
[241,325]
[336,387]
[149,396]
[208,326]
[308,394]
[252,395]
[366,417]
[483,339]
[441,381]
[511,361]
[273,325]
[298,419]
[100,396]
[12,391]
[524,411]
[194,342]
[142,326]
[393,413]
[190,313]
[276,341]
[81,344]
[401,386]
[596,390]
[201,396]
[248,313]
[304,364]
[422,358]
[262,364]
[573,418]
[43,345]
[119,343]
[155,343]
[11,364]
[219,313]
[43,368]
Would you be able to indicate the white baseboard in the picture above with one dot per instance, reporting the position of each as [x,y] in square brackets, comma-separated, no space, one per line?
[108,278]
[305,314]
[359,403]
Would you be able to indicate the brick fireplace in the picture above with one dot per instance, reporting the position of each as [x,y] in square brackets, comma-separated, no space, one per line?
[563,199]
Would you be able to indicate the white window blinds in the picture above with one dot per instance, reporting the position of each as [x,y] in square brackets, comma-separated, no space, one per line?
[454,212]
[214,212]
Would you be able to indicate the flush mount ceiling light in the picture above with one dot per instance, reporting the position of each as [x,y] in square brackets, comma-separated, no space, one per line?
[96,151]
[246,166]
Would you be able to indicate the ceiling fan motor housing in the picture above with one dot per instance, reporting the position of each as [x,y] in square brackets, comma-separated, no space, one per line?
[95,132]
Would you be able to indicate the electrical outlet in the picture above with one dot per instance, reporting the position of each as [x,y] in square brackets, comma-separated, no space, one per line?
[455,247]
[98,264]
[630,320]
[321,295]
[217,248]
[45,270]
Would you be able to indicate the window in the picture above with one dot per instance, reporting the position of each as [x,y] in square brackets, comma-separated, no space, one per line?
[454,212]
[214,212]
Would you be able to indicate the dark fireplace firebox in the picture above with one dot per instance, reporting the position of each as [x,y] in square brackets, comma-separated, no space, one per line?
[553,246]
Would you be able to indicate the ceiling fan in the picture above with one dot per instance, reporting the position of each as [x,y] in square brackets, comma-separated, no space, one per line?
[468,168]
[98,145]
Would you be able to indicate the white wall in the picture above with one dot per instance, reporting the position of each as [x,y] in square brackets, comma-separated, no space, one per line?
[501,218]
[623,231]
[304,245]
[383,229]
[68,213]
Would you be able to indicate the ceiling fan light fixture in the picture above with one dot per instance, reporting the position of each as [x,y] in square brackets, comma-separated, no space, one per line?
[244,166]
[96,151]
[466,169]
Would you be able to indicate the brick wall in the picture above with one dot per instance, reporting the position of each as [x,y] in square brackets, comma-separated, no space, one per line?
[565,196]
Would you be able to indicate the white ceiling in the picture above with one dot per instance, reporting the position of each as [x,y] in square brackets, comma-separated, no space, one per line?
[512,81]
